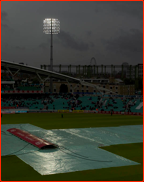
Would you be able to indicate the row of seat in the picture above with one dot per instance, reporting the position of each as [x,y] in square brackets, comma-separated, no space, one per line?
[62,104]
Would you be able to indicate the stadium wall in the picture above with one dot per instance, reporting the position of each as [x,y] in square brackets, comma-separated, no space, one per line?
[69,111]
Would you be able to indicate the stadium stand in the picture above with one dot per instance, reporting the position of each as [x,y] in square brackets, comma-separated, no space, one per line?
[70,102]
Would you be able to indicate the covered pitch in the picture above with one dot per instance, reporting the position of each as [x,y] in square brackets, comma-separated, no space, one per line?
[78,149]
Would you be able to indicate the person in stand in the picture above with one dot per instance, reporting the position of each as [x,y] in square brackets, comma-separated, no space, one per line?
[96,110]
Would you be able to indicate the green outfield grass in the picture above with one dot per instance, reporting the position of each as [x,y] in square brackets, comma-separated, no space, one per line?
[13,169]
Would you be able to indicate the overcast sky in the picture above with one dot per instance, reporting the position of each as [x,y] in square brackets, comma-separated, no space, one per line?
[112,32]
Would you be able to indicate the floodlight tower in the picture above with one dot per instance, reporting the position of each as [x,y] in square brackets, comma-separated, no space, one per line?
[51,26]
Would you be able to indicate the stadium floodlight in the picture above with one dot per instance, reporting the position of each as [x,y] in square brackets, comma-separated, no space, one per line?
[51,26]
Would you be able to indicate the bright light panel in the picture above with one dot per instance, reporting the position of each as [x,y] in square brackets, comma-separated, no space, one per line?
[51,25]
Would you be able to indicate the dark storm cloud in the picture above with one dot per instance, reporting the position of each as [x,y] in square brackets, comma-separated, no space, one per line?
[97,10]
[88,33]
[20,47]
[83,24]
[134,9]
[128,43]
[6,29]
[5,46]
[4,18]
[70,42]
[92,44]
[44,46]
[3,15]
[5,26]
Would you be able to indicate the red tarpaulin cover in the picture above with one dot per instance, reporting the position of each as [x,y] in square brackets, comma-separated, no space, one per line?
[28,137]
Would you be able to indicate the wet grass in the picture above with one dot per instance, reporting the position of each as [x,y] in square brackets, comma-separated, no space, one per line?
[71,120]
[14,169]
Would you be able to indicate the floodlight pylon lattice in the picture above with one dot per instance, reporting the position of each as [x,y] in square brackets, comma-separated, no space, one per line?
[51,26]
